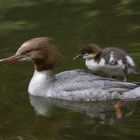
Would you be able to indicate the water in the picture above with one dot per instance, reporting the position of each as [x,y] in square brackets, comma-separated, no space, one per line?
[73,24]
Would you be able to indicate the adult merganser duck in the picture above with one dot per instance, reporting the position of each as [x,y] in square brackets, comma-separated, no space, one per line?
[112,61]
[70,85]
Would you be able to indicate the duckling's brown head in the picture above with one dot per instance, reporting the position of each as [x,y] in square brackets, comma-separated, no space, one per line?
[40,50]
[90,51]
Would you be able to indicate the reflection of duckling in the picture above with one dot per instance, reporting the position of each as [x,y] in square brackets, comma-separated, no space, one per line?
[70,85]
[112,61]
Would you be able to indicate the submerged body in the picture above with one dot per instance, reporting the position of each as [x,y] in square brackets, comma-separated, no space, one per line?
[71,85]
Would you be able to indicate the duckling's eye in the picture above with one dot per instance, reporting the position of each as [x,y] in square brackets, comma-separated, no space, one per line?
[85,52]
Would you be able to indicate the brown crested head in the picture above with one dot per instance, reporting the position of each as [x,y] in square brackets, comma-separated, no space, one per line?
[90,51]
[91,48]
[41,51]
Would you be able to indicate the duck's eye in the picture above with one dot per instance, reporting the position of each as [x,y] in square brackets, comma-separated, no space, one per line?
[26,52]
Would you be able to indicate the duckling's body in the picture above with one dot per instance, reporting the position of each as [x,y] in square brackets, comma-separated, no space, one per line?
[111,61]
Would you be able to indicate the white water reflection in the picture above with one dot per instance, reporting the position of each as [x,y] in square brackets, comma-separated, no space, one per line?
[101,111]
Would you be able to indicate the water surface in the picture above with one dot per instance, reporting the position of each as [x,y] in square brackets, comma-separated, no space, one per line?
[72,24]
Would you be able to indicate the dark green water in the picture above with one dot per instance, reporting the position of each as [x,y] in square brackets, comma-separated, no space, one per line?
[73,24]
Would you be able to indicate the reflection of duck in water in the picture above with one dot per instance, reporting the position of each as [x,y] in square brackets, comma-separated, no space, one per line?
[70,85]
[100,111]
[112,61]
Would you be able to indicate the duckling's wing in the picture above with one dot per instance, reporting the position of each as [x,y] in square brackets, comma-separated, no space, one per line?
[112,55]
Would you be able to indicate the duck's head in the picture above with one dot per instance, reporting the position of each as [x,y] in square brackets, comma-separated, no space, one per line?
[89,52]
[40,50]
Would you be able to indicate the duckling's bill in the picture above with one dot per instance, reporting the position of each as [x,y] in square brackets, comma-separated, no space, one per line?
[78,56]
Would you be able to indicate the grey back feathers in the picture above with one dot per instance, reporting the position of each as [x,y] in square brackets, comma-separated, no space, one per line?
[116,54]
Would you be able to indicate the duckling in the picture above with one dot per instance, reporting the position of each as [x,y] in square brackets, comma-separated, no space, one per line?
[110,60]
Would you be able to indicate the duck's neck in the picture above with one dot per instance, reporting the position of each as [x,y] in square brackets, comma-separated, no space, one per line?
[41,82]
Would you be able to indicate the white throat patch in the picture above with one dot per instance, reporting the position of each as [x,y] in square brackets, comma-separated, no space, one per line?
[89,56]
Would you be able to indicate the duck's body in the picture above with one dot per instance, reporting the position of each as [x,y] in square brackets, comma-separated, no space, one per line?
[111,61]
[70,85]
[80,85]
